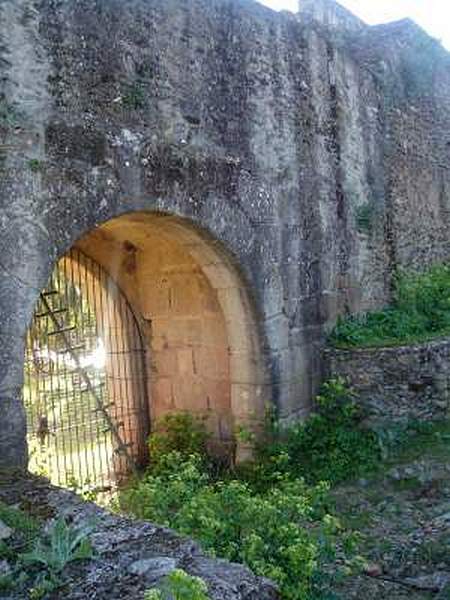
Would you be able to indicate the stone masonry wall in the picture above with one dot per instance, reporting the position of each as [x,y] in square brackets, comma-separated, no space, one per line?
[414,71]
[407,382]
[131,556]
[281,138]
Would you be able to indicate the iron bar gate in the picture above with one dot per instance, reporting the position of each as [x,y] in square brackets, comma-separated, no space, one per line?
[85,380]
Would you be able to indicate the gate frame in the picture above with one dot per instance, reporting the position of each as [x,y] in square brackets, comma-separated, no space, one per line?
[92,275]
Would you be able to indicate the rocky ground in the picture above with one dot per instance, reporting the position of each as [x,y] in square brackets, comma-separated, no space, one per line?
[130,556]
[403,515]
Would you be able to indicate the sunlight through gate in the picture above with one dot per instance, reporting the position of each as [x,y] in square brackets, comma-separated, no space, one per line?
[85,381]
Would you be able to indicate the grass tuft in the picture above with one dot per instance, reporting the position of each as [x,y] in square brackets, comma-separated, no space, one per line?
[420,312]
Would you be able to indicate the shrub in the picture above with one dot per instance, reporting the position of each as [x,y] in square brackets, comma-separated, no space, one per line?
[420,310]
[365,217]
[275,533]
[179,432]
[134,96]
[35,165]
[272,514]
[20,521]
[179,586]
[62,545]
[159,495]
[331,445]
[281,533]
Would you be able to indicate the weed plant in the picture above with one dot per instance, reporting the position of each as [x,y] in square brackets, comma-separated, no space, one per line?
[331,445]
[272,514]
[420,311]
[178,585]
[37,559]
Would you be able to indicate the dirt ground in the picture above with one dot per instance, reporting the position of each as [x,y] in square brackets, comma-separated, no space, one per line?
[403,515]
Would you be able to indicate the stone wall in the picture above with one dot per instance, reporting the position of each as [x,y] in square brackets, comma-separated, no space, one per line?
[330,14]
[131,556]
[414,71]
[199,356]
[406,382]
[296,147]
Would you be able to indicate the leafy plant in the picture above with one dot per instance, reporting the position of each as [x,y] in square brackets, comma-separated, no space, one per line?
[179,585]
[420,311]
[64,544]
[244,434]
[85,489]
[35,165]
[134,96]
[6,582]
[180,432]
[331,445]
[45,584]
[20,521]
[281,533]
[364,216]
[159,495]
[6,551]
[49,553]
[8,114]
[272,514]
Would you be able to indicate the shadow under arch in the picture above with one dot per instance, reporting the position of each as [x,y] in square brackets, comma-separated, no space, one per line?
[198,318]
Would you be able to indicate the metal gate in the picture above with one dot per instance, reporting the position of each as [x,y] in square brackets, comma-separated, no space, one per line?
[85,381]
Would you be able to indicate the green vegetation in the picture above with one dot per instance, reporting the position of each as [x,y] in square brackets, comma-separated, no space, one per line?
[179,586]
[282,533]
[365,216]
[9,117]
[24,524]
[35,165]
[273,514]
[433,552]
[25,531]
[330,446]
[420,311]
[395,510]
[134,96]
[278,514]
[180,432]
[62,545]
[407,442]
[37,559]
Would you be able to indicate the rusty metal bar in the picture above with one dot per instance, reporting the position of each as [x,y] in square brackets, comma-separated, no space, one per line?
[87,381]
[80,413]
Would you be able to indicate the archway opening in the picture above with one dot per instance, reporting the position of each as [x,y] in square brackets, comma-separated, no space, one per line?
[84,381]
[149,316]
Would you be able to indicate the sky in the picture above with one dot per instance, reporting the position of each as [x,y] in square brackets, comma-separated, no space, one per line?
[432,15]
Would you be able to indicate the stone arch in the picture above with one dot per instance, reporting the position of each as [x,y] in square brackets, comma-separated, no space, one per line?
[196,312]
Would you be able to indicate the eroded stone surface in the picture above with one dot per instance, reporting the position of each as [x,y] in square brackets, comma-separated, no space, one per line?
[314,149]
[130,556]
[400,383]
[5,531]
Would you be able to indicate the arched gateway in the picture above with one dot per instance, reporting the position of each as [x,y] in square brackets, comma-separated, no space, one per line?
[253,125]
[145,315]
